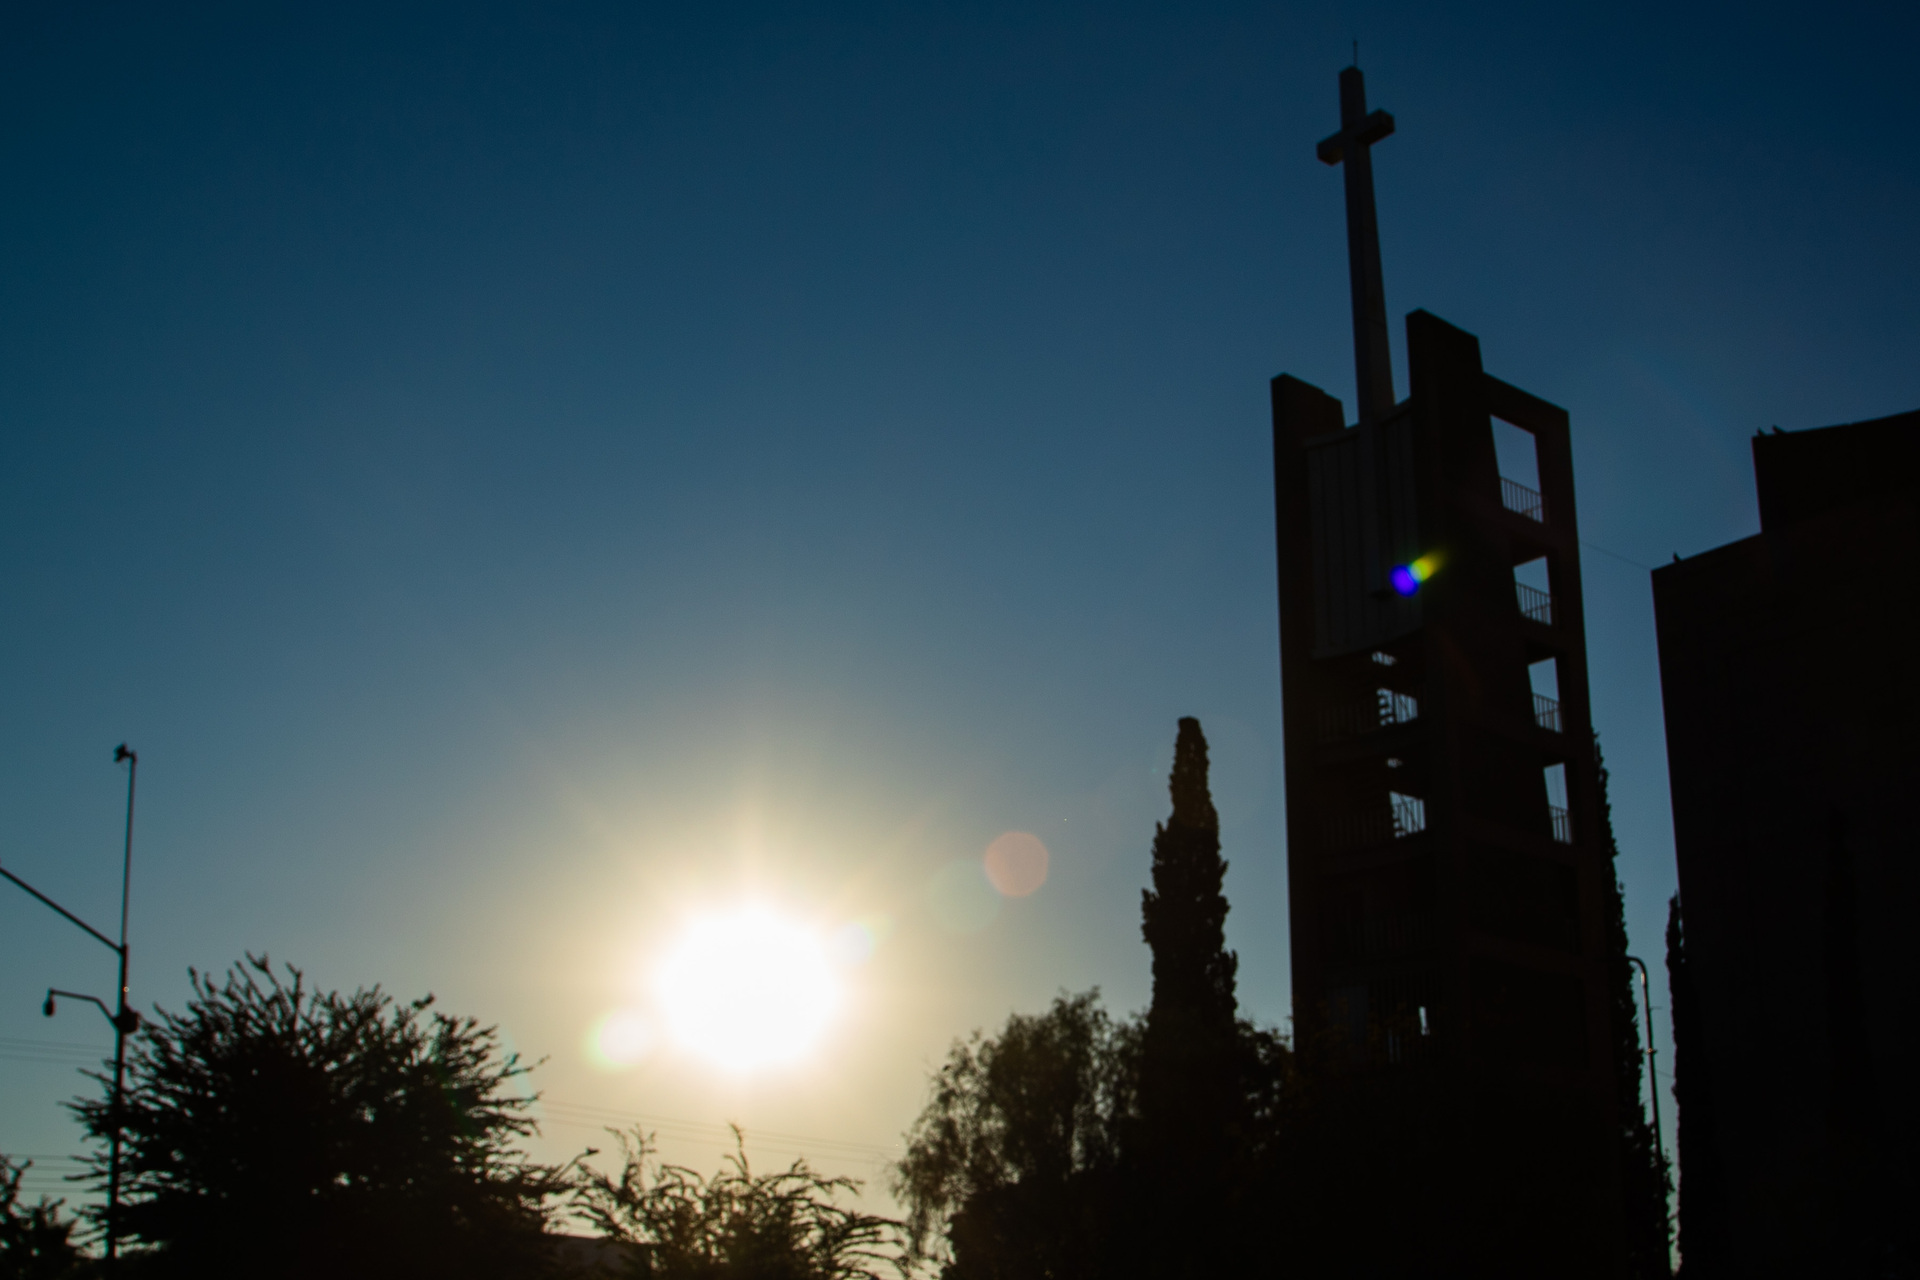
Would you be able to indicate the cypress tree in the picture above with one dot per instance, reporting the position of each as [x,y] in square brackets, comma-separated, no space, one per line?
[1193,1099]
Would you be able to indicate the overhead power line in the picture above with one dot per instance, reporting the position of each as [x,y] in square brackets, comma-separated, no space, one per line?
[551,1110]
[59,1053]
[558,1111]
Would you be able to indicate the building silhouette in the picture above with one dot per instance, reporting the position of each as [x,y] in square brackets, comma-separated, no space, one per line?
[1795,770]
[1446,862]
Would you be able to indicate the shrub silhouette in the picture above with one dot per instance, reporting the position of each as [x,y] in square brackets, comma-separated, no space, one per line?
[274,1130]
[736,1225]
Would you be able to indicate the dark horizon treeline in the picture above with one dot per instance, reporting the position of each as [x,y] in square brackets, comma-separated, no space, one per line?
[272,1131]
[275,1132]
[1189,1142]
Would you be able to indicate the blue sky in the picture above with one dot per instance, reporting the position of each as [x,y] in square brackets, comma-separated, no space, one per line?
[521,474]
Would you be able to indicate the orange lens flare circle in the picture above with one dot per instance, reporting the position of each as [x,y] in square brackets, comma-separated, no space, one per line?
[1017,864]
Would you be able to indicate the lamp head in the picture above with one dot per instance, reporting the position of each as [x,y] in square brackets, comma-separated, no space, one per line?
[46,1009]
[123,752]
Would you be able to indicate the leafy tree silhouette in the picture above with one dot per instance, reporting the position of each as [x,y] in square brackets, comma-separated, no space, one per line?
[1071,1145]
[1644,1181]
[270,1129]
[736,1225]
[1189,1142]
[1013,1169]
[36,1240]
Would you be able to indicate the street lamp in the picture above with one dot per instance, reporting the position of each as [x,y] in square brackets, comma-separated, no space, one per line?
[125,1021]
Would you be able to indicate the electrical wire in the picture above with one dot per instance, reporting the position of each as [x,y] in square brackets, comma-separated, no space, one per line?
[568,1114]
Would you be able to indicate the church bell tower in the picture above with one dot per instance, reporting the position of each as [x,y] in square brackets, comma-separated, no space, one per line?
[1446,863]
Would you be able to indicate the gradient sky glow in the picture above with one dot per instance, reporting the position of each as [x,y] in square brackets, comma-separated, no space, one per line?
[522,476]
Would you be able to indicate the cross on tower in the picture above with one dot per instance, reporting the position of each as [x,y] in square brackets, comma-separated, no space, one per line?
[1373,367]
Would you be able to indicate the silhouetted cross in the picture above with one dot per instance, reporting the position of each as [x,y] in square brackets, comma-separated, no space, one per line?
[1372,361]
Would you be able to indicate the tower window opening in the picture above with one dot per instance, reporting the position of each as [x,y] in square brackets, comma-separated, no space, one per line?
[1517,456]
[1395,707]
[1544,677]
[1381,708]
[1517,453]
[1555,776]
[1533,588]
[1409,815]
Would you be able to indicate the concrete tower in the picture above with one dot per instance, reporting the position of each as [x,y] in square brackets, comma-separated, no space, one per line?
[1445,858]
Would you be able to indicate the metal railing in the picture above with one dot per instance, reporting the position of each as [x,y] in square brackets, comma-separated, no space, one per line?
[1562,824]
[1534,603]
[1400,817]
[1546,713]
[1521,500]
[1409,815]
[1392,707]
[1363,715]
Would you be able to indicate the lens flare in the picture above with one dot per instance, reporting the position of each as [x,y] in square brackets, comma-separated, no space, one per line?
[855,942]
[1017,864]
[619,1040]
[748,989]
[1406,578]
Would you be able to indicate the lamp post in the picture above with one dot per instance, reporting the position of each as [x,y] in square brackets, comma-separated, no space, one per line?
[125,1021]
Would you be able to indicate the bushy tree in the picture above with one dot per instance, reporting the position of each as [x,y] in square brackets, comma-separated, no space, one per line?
[1013,1169]
[36,1240]
[1072,1145]
[273,1129]
[738,1224]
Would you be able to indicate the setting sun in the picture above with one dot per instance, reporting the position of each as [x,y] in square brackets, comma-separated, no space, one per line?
[748,988]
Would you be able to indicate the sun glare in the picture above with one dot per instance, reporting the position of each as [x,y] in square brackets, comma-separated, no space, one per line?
[748,989]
